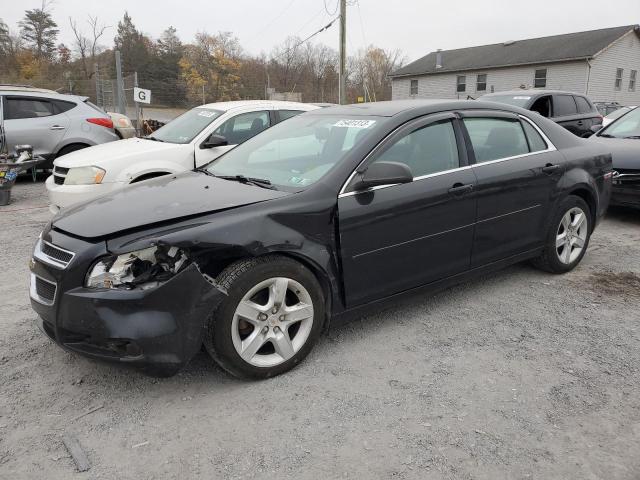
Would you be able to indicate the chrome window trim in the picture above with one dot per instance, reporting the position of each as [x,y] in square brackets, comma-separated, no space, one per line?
[34,293]
[550,148]
[44,258]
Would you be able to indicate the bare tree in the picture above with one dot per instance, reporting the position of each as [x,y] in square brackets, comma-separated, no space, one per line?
[88,47]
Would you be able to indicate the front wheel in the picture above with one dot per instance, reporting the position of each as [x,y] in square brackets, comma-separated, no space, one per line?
[273,314]
[567,238]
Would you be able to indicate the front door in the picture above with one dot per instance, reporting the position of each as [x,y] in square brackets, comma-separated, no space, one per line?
[397,237]
[33,121]
[517,171]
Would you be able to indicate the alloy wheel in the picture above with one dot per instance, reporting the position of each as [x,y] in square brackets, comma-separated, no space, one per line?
[272,322]
[571,236]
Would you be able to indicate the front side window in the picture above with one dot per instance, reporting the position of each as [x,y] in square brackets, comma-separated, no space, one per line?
[244,126]
[297,153]
[564,105]
[426,150]
[414,87]
[187,126]
[632,80]
[481,83]
[540,78]
[496,138]
[461,83]
[21,108]
[619,73]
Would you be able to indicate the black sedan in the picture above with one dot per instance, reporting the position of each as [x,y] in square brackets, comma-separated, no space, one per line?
[622,138]
[315,220]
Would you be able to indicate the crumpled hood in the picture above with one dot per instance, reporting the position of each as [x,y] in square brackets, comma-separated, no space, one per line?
[131,149]
[163,199]
[625,152]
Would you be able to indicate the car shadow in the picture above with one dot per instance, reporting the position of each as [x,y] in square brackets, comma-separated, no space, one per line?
[625,214]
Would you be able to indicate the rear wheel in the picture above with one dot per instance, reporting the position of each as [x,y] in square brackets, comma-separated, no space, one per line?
[273,314]
[567,238]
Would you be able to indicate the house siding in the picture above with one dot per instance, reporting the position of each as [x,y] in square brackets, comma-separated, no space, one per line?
[623,53]
[571,76]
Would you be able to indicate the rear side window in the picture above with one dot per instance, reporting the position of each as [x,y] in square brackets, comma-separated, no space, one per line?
[285,114]
[21,108]
[426,150]
[583,105]
[536,142]
[62,106]
[496,138]
[564,105]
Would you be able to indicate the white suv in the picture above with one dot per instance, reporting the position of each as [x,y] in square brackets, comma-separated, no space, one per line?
[193,139]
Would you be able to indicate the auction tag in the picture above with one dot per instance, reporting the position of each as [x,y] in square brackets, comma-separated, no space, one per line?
[354,123]
[206,113]
[522,98]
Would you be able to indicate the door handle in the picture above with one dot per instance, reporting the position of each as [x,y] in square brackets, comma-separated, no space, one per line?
[56,127]
[550,168]
[460,189]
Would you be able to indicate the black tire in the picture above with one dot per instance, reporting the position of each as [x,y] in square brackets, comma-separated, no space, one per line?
[70,148]
[548,259]
[237,279]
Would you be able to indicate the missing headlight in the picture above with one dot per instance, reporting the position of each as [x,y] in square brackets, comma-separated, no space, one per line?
[142,268]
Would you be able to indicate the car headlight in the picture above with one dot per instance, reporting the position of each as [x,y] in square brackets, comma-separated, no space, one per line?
[142,268]
[84,176]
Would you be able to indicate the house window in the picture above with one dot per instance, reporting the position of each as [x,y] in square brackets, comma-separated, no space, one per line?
[414,87]
[481,82]
[632,80]
[540,78]
[461,83]
[619,72]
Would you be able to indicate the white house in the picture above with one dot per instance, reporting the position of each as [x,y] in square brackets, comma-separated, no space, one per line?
[603,64]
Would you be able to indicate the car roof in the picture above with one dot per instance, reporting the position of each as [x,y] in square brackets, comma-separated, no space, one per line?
[41,93]
[532,93]
[421,107]
[226,106]
[23,88]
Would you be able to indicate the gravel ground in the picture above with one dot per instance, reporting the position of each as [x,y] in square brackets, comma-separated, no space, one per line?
[519,375]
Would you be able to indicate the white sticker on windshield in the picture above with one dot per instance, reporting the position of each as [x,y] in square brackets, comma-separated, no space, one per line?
[206,113]
[522,98]
[354,123]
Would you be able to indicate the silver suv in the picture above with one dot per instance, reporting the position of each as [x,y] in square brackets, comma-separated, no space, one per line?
[53,123]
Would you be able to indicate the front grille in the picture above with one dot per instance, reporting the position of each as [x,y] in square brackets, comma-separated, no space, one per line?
[58,180]
[627,178]
[59,173]
[56,253]
[45,290]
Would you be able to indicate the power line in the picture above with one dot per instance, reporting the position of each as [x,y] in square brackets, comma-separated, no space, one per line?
[277,17]
[326,27]
[335,10]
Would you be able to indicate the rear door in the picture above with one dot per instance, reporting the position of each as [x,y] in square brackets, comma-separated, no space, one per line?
[589,113]
[517,170]
[565,113]
[33,121]
[397,237]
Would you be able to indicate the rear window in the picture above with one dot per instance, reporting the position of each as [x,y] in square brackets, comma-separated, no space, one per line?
[583,105]
[564,105]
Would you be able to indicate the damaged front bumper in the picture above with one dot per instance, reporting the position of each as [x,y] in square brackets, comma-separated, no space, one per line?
[161,326]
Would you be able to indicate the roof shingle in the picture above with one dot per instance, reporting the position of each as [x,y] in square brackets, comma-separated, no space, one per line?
[570,46]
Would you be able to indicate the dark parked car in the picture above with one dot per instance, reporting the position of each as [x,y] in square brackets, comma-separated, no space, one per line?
[317,219]
[573,111]
[622,138]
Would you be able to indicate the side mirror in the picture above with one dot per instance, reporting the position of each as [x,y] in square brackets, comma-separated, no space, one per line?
[384,173]
[215,141]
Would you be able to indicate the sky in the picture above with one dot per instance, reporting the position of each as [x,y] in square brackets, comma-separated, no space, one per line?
[416,27]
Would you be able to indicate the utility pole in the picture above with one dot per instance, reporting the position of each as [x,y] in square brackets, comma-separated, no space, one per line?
[342,88]
[120,84]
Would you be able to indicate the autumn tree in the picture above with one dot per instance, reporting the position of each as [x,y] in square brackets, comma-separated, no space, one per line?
[39,32]
[371,68]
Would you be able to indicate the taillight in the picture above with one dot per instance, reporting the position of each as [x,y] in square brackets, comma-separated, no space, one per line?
[103,122]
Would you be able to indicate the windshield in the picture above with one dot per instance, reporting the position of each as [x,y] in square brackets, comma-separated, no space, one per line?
[516,100]
[187,126]
[617,113]
[296,153]
[627,126]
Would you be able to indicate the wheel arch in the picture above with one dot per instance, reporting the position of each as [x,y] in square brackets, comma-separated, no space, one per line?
[72,144]
[585,193]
